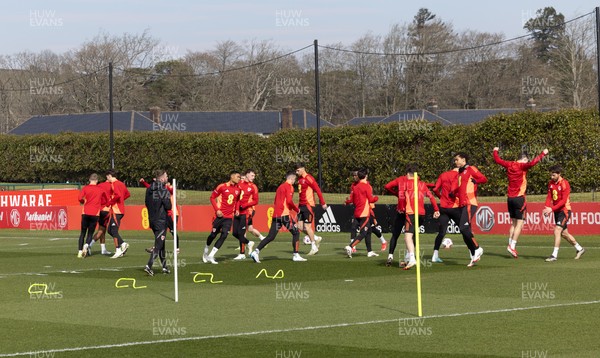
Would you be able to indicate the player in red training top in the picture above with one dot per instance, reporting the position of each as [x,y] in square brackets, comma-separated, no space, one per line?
[409,230]
[361,197]
[398,188]
[465,188]
[517,186]
[448,208]
[283,204]
[225,200]
[558,201]
[248,199]
[93,199]
[307,187]
[250,176]
[119,194]
[103,219]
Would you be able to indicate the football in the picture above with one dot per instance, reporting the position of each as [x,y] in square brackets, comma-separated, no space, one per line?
[447,243]
[306,240]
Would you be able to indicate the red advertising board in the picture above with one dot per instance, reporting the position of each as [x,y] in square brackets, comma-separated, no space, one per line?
[35,218]
[33,198]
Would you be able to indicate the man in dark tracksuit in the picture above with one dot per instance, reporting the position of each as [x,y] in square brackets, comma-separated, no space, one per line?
[158,202]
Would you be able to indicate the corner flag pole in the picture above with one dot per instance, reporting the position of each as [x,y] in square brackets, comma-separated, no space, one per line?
[417,253]
[175,238]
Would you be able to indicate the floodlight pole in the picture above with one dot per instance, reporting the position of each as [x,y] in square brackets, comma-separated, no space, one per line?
[598,53]
[110,115]
[318,113]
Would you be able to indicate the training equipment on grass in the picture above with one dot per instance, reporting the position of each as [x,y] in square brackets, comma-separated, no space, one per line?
[272,277]
[127,285]
[205,274]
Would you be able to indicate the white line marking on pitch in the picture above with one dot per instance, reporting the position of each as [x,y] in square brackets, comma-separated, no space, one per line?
[286,330]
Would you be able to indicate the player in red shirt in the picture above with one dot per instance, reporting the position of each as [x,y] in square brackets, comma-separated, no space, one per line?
[225,200]
[558,202]
[119,194]
[248,199]
[307,187]
[465,188]
[103,219]
[409,230]
[361,197]
[516,172]
[282,207]
[250,177]
[448,208]
[93,199]
[398,188]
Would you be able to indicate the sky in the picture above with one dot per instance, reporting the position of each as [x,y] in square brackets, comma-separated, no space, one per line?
[183,25]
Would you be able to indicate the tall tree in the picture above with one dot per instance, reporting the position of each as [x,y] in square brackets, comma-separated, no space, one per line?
[547,30]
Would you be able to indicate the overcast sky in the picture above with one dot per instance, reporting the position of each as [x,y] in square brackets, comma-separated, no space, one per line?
[198,25]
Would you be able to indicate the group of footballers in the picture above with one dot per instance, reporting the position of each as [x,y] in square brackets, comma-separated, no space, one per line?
[234,202]
[103,205]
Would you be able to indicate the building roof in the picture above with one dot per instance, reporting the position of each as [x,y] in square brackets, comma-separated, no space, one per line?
[263,122]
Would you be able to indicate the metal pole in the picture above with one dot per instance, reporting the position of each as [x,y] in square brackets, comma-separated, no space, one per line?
[598,53]
[318,113]
[110,115]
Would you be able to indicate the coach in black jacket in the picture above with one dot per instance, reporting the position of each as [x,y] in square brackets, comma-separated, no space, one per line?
[158,202]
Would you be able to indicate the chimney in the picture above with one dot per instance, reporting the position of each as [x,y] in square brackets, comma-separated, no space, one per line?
[432,106]
[155,114]
[286,118]
[530,104]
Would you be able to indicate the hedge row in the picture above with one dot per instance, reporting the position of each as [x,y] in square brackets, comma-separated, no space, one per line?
[202,160]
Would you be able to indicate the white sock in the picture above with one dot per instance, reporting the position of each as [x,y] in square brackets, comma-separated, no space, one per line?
[205,250]
[80,251]
[411,256]
[102,246]
[382,239]
[90,245]
[213,252]
[435,254]
[577,246]
[391,256]
[261,237]
[555,252]
[513,244]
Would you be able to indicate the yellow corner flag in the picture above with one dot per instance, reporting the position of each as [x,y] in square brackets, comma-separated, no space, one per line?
[417,253]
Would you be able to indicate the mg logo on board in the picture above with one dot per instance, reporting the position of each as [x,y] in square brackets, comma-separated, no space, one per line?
[485,218]
[62,218]
[15,218]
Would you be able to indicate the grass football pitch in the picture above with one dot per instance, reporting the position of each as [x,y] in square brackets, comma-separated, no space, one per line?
[55,305]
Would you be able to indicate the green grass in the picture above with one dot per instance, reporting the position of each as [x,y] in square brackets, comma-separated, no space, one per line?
[343,307]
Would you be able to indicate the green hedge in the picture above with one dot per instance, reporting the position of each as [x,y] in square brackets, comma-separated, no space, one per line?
[202,160]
